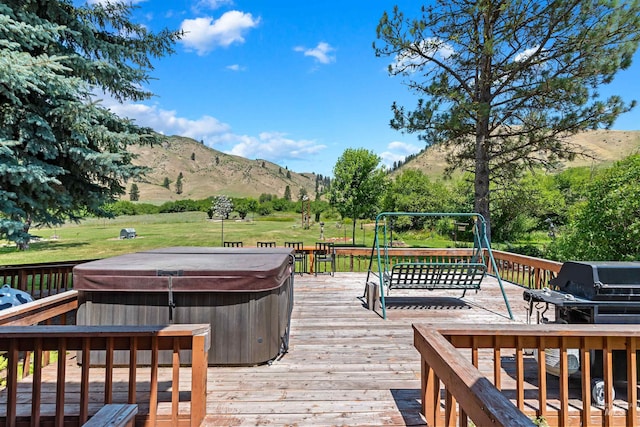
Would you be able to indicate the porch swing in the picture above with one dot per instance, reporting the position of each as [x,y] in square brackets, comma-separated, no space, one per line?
[430,275]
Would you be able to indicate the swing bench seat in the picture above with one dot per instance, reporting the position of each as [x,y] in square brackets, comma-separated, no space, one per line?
[430,276]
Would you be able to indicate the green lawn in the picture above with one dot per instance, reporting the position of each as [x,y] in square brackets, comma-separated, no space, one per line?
[99,238]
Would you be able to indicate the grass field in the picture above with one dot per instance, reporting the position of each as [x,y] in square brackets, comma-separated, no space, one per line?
[99,238]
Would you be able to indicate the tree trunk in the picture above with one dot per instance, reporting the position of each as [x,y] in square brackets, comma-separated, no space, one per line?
[24,245]
[481,181]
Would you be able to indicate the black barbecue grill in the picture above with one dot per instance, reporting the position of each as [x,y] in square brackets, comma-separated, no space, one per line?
[592,292]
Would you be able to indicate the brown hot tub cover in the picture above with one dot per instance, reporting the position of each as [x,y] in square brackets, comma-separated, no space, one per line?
[192,269]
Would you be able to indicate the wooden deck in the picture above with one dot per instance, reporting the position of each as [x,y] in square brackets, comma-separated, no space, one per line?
[345,365]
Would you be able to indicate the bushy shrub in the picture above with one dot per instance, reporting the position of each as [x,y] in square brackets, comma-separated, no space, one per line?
[528,250]
[265,208]
[606,227]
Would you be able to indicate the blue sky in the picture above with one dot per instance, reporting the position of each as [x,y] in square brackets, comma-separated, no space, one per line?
[292,82]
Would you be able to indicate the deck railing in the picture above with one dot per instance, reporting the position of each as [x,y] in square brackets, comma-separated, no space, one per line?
[30,348]
[523,270]
[88,339]
[491,399]
[41,280]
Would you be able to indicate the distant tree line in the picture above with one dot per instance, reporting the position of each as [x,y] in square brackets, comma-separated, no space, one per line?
[265,205]
[399,163]
[578,213]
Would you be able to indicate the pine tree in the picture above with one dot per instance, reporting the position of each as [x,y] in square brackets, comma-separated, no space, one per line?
[134,193]
[63,155]
[179,184]
[504,83]
[287,193]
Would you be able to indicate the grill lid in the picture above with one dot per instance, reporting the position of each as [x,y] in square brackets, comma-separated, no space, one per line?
[601,281]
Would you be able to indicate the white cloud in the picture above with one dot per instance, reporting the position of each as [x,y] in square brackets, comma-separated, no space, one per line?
[205,34]
[523,56]
[167,122]
[272,146]
[322,52]
[398,151]
[410,61]
[236,67]
[275,146]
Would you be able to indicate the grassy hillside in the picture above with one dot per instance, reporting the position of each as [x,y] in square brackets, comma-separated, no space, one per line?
[207,172]
[604,146]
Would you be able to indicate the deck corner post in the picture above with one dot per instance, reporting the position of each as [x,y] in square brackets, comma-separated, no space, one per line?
[199,363]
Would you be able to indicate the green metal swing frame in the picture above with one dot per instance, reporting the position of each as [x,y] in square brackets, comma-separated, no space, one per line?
[432,275]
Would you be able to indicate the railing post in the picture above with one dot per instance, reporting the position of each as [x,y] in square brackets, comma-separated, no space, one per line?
[199,362]
[430,393]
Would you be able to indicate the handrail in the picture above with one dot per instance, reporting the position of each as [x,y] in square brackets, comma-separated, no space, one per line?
[616,344]
[478,398]
[40,310]
[88,339]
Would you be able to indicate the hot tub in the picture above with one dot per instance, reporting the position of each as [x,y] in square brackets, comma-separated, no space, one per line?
[246,294]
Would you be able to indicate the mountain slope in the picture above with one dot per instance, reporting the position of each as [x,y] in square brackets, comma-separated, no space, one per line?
[605,146]
[208,172]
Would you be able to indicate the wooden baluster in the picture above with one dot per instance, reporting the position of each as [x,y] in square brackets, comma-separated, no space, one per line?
[12,383]
[36,390]
[449,409]
[632,381]
[464,419]
[60,383]
[153,387]
[519,374]
[607,357]
[430,393]
[585,364]
[84,380]
[108,374]
[542,377]
[175,385]
[564,384]
[474,351]
[46,360]
[26,365]
[497,365]
[23,277]
[133,369]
